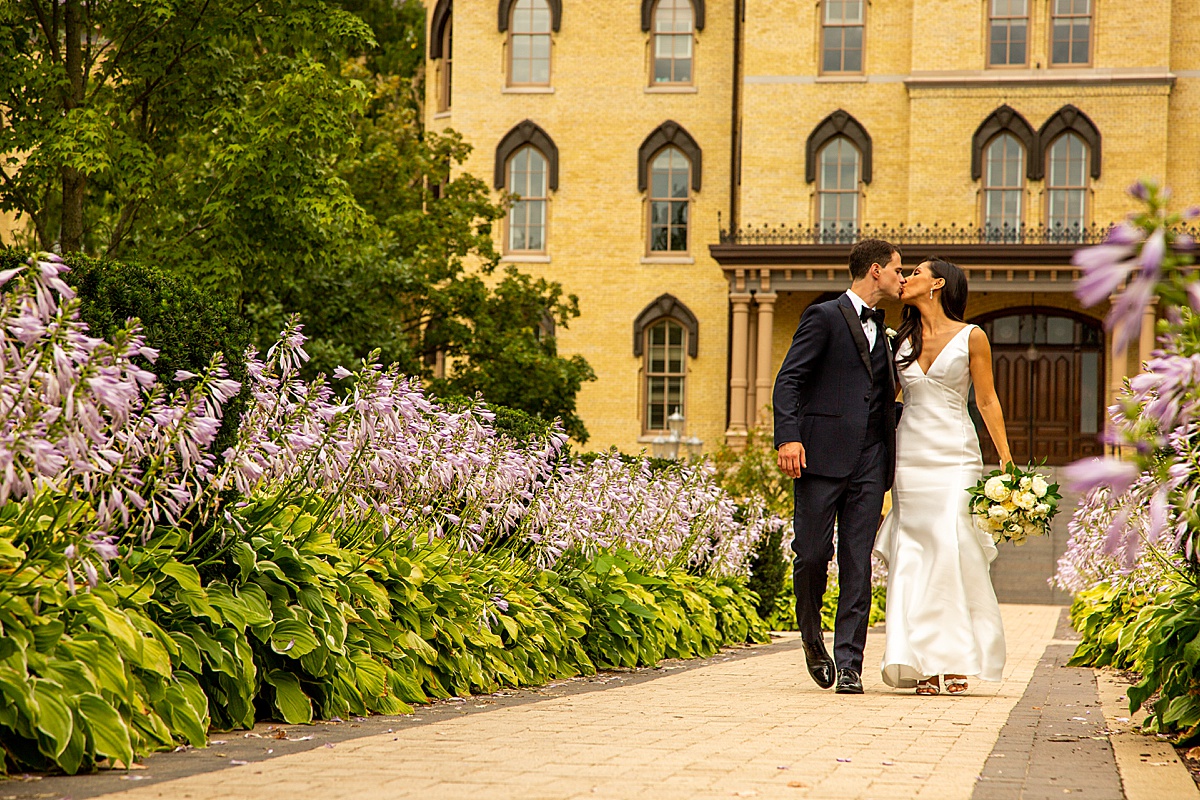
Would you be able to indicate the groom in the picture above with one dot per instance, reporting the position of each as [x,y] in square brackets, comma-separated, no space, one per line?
[835,432]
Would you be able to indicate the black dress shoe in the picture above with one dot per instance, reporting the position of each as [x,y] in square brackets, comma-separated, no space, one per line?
[848,682]
[820,665]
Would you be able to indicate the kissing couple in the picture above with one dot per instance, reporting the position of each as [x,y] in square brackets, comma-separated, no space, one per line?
[845,439]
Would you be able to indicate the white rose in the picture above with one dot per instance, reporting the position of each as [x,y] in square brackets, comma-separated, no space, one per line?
[1026,482]
[1041,510]
[998,513]
[995,489]
[1025,500]
[1040,487]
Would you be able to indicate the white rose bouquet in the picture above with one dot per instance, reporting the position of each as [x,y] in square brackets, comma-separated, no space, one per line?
[1013,504]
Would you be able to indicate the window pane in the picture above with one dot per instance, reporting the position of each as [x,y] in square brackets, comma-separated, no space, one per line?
[659,213]
[999,49]
[832,61]
[1089,393]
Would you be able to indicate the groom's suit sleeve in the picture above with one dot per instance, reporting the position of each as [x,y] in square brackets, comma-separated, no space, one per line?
[808,347]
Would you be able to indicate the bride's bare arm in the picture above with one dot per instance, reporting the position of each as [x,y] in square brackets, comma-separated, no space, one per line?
[985,393]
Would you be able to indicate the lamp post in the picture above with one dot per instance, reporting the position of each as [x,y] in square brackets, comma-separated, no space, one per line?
[674,446]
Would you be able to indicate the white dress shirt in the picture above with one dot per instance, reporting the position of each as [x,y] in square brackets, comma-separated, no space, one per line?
[869,327]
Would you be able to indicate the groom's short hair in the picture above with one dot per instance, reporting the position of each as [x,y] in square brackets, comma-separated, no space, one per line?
[868,252]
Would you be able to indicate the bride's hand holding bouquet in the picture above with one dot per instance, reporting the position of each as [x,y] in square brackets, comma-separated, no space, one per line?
[1013,504]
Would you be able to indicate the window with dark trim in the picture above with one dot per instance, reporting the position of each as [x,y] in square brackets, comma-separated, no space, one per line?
[837,190]
[1003,188]
[665,371]
[670,201]
[663,334]
[528,175]
[529,43]
[674,27]
[446,83]
[1066,187]
[440,44]
[1071,32]
[842,36]
[1008,33]
[1070,118]
[1005,119]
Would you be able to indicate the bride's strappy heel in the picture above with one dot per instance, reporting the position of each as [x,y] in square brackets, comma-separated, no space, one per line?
[927,687]
[956,685]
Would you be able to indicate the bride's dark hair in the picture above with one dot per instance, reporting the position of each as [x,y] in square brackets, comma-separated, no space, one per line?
[954,303]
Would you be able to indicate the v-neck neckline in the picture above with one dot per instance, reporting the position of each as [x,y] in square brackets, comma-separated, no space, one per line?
[946,346]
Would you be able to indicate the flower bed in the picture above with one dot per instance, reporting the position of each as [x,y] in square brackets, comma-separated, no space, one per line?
[1132,557]
[355,550]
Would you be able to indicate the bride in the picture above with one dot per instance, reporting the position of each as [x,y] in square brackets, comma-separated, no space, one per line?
[942,615]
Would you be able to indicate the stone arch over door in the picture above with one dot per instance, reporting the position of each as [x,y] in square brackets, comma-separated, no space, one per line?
[1050,366]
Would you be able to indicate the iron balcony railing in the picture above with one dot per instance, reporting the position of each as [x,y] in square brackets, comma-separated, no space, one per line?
[934,234]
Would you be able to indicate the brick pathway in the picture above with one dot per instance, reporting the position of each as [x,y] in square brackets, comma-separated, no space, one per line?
[743,727]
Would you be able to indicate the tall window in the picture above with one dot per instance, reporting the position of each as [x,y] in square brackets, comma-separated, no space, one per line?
[666,343]
[447,59]
[1008,32]
[1071,22]
[529,43]
[837,191]
[1003,188]
[842,36]
[1066,181]
[527,217]
[673,25]
[669,181]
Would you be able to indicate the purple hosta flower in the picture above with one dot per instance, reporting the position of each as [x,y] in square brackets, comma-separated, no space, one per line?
[183,375]
[1140,191]
[1090,473]
[1184,243]
[340,373]
[1105,267]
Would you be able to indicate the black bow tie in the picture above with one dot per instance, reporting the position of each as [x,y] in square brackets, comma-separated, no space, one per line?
[876,314]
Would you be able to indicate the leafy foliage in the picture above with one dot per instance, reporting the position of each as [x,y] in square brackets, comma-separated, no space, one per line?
[1156,635]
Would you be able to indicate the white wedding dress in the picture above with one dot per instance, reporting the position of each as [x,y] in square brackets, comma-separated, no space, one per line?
[942,614]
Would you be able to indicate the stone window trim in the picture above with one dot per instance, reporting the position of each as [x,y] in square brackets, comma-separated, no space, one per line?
[666,306]
[1006,119]
[668,134]
[527,132]
[505,14]
[1069,118]
[648,14]
[839,123]
[437,29]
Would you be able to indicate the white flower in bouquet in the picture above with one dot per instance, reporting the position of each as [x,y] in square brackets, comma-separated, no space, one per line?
[1040,486]
[1025,500]
[996,488]
[998,513]
[1026,482]
[1041,510]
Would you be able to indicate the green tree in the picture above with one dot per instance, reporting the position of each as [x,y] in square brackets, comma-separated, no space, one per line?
[259,152]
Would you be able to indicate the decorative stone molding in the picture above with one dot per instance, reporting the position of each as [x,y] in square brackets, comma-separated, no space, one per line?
[527,132]
[648,14]
[839,123]
[669,133]
[1070,118]
[666,307]
[505,14]
[1006,119]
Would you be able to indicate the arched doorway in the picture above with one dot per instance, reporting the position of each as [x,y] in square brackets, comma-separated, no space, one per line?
[1049,366]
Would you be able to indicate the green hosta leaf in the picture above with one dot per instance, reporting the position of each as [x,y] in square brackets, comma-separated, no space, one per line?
[53,714]
[109,733]
[187,709]
[10,552]
[290,701]
[293,638]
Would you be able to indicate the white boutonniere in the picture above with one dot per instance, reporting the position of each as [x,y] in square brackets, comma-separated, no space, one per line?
[891,332]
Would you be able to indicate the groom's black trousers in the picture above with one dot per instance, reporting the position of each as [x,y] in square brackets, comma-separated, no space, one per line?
[855,502]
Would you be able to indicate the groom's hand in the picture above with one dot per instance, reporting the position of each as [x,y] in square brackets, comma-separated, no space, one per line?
[791,459]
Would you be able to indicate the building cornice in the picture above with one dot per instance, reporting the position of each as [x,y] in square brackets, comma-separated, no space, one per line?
[968,79]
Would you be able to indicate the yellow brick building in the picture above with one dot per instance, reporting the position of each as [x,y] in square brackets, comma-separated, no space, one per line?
[696,170]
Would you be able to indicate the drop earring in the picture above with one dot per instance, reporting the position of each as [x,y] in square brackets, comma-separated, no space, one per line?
[931,293]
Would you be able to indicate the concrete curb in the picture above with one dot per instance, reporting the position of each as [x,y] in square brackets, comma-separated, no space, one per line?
[1150,768]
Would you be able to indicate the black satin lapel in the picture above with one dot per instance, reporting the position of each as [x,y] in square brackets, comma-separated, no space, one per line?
[860,338]
[893,376]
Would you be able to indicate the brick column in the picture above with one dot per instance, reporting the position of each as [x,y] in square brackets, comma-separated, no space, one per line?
[764,372]
[737,365]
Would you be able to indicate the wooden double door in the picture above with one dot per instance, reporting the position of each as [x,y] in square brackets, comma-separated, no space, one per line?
[1049,369]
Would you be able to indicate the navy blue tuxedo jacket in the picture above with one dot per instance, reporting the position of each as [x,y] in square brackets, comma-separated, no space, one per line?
[823,391]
